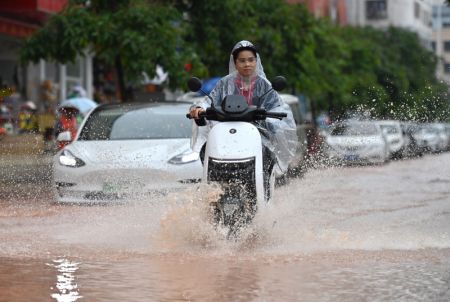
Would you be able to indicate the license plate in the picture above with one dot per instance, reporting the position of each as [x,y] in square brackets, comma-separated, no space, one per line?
[111,187]
[352,157]
[229,209]
[123,186]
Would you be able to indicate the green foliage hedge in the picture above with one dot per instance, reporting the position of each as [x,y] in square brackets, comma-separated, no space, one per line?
[388,73]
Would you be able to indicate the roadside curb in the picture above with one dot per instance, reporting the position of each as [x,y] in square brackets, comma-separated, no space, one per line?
[8,160]
[22,145]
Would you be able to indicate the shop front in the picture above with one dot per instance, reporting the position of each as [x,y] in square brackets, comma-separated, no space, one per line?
[45,84]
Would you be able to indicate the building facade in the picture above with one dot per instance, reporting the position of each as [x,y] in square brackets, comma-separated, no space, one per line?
[441,39]
[414,15]
[19,20]
[336,10]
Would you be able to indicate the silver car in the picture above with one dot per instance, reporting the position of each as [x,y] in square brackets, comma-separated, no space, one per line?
[394,137]
[430,137]
[356,142]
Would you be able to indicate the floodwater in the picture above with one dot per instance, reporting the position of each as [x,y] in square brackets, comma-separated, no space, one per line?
[372,233]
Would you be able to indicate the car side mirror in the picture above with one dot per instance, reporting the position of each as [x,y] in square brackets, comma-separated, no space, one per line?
[64,136]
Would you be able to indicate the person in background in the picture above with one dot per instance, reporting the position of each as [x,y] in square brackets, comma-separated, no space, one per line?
[67,121]
[13,102]
[28,122]
[77,92]
[69,118]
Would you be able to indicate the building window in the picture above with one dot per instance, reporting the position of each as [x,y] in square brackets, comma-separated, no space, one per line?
[433,45]
[447,68]
[447,46]
[376,9]
[427,19]
[416,10]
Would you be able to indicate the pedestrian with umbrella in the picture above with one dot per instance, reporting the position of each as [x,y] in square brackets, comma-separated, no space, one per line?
[67,122]
[71,113]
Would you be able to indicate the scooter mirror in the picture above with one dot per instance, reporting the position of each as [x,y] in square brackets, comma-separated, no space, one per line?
[279,83]
[194,84]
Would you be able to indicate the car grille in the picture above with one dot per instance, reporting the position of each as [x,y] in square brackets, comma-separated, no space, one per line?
[351,148]
[347,148]
[228,170]
[101,196]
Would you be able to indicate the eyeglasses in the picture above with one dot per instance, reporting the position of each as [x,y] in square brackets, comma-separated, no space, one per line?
[250,60]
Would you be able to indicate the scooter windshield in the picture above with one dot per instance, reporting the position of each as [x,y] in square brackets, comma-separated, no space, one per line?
[282,139]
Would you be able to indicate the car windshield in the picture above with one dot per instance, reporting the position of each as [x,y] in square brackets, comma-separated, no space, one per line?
[431,129]
[356,129]
[124,123]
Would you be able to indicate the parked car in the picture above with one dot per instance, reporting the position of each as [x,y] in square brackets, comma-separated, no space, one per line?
[394,137]
[298,164]
[126,151]
[447,129]
[356,142]
[413,145]
[444,139]
[428,137]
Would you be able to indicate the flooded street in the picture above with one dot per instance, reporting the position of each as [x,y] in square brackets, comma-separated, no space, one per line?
[372,233]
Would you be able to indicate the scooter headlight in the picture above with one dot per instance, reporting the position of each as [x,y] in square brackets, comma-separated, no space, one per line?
[66,158]
[184,158]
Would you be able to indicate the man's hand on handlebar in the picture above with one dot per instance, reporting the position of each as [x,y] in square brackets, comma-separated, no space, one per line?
[194,113]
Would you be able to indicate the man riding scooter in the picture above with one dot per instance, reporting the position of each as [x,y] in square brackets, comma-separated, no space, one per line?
[247,78]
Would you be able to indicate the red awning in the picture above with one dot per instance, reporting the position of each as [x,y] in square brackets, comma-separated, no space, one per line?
[16,29]
[20,18]
[46,6]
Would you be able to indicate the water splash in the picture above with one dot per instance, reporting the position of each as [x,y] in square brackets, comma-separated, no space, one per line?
[328,209]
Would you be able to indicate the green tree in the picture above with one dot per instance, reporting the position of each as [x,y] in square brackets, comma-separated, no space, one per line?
[131,35]
[362,57]
[213,27]
[285,35]
[405,85]
[386,72]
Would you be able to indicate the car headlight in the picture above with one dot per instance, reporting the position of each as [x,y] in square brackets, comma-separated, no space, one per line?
[66,158]
[184,158]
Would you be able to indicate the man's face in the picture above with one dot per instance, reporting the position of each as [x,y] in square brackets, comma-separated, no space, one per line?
[246,63]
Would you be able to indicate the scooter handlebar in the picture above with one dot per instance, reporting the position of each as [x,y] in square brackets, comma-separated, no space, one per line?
[201,121]
[261,115]
[200,115]
[278,115]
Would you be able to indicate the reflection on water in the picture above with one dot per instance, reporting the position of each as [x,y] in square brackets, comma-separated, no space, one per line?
[66,281]
[353,234]
[242,276]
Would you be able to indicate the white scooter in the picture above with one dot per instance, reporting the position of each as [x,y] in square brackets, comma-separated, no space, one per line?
[234,157]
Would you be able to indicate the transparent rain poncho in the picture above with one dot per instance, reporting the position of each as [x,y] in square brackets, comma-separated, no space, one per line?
[281,138]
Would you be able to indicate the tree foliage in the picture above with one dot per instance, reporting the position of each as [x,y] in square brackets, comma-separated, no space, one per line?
[386,72]
[131,35]
[400,79]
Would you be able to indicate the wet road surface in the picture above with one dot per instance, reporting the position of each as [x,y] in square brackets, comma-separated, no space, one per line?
[372,233]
